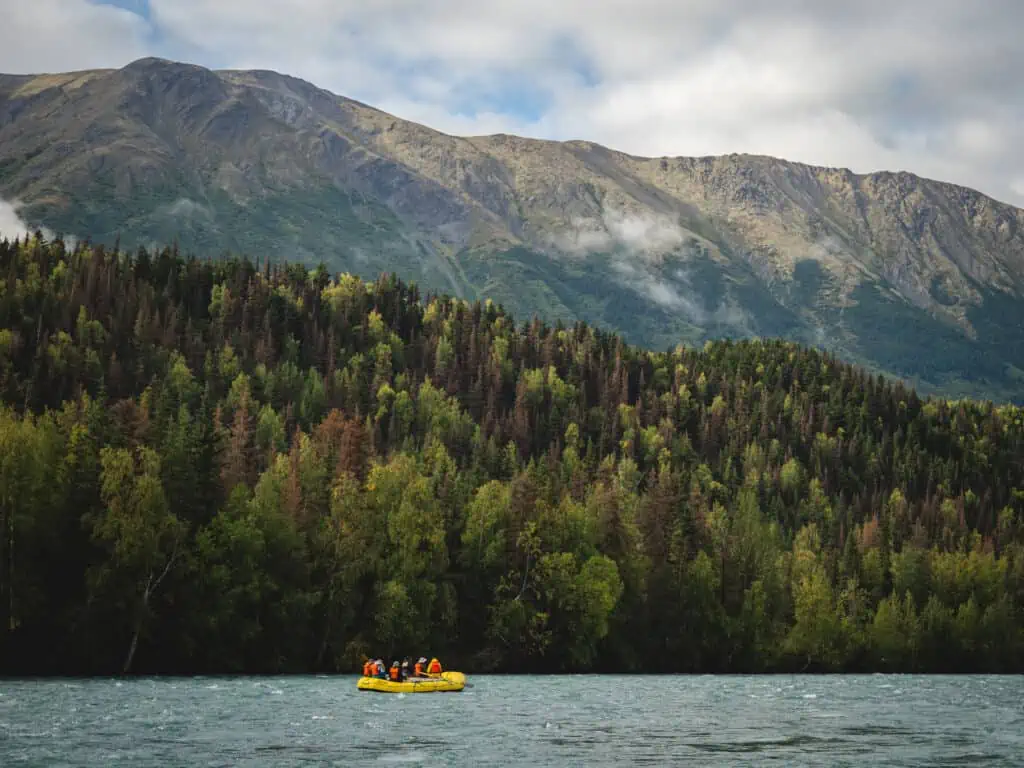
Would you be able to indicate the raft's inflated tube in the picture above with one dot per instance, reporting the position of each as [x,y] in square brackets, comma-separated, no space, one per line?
[448,682]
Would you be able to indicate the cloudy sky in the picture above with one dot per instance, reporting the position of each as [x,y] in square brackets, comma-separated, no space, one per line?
[929,86]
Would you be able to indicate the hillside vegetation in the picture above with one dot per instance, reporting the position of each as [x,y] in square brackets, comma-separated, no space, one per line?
[911,277]
[217,467]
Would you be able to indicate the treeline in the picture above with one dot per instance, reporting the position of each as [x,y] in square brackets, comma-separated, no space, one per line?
[219,467]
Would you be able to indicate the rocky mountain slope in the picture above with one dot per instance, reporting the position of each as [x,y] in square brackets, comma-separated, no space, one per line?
[905,275]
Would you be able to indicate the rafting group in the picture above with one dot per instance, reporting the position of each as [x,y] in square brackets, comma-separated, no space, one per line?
[425,677]
[400,672]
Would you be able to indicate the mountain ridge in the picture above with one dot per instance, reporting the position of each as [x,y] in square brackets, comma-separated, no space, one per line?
[81,75]
[878,267]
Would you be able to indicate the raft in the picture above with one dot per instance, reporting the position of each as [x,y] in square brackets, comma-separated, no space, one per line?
[448,682]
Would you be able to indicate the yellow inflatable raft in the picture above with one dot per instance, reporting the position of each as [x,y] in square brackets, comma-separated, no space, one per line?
[447,682]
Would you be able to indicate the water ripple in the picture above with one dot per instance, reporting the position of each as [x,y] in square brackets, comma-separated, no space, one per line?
[872,720]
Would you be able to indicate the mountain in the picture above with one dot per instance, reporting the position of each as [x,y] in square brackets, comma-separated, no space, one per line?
[903,275]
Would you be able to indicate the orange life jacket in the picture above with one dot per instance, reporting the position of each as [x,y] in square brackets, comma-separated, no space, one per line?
[394,674]
[434,668]
[368,669]
[418,669]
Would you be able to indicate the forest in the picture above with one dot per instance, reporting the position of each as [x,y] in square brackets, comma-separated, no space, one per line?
[223,466]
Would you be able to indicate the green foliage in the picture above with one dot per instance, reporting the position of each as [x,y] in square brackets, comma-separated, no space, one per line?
[895,632]
[142,537]
[816,634]
[212,468]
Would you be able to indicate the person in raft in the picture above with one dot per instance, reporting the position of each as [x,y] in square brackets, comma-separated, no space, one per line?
[399,672]
[423,669]
[395,673]
[374,668]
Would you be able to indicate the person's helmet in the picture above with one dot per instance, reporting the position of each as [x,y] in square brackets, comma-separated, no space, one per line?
[422,660]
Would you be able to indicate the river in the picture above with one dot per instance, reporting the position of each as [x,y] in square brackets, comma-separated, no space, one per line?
[867,720]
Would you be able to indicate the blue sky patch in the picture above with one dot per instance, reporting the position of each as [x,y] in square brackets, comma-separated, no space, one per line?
[141,7]
[510,95]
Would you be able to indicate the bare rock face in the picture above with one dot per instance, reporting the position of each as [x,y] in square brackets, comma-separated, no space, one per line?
[906,275]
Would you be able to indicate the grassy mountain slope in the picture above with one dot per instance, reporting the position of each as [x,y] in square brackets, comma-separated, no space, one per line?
[901,274]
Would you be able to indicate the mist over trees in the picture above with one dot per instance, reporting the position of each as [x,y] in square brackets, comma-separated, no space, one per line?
[226,467]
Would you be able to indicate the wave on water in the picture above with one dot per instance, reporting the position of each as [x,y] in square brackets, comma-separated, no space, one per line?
[403,757]
[517,721]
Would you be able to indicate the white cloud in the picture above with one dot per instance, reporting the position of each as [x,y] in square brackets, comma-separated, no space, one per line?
[183,207]
[928,86]
[12,226]
[67,35]
[641,247]
[672,290]
[662,291]
[645,235]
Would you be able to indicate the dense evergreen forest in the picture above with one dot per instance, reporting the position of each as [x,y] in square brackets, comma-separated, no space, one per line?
[220,467]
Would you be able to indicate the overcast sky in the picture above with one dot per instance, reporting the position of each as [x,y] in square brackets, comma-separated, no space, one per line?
[929,86]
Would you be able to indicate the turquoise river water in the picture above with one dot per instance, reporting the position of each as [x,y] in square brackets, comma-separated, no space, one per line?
[870,720]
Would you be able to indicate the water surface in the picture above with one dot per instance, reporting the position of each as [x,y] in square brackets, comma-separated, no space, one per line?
[875,720]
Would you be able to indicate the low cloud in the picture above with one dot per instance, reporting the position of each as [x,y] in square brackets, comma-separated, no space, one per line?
[675,293]
[12,226]
[645,251]
[184,207]
[733,316]
[648,236]
[666,293]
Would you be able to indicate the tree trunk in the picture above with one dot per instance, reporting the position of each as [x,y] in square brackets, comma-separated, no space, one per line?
[132,646]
